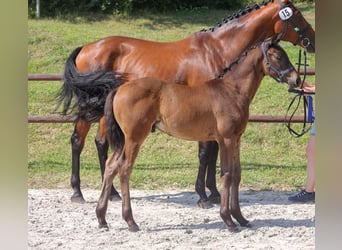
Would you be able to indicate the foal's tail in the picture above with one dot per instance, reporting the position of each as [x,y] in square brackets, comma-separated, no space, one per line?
[115,136]
[87,91]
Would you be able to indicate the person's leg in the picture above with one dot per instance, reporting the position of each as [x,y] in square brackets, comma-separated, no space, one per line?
[308,194]
[310,168]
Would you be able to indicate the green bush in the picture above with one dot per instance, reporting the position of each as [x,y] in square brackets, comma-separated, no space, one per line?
[165,5]
[54,8]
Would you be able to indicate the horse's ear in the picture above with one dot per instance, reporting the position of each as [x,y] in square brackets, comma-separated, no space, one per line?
[271,41]
[283,3]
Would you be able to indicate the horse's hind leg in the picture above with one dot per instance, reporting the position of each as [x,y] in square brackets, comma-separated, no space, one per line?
[131,152]
[207,154]
[214,197]
[102,150]
[111,170]
[77,143]
[203,202]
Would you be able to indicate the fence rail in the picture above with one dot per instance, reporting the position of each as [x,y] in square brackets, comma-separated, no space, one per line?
[71,119]
[252,118]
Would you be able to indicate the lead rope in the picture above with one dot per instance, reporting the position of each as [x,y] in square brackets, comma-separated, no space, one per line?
[309,115]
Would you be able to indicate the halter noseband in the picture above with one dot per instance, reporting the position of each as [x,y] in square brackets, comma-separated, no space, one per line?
[269,66]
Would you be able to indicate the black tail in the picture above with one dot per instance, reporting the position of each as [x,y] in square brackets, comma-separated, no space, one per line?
[87,91]
[114,133]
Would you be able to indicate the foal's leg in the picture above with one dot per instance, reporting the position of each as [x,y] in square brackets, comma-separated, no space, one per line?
[112,166]
[226,157]
[102,150]
[81,130]
[131,152]
[235,204]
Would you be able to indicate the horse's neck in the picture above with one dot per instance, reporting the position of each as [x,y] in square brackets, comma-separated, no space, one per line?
[246,30]
[246,76]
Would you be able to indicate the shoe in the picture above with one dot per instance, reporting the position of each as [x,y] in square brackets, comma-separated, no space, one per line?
[303,196]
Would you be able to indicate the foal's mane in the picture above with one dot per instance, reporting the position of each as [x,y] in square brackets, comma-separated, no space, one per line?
[238,14]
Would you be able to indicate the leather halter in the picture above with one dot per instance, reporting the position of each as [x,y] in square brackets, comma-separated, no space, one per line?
[269,66]
[301,33]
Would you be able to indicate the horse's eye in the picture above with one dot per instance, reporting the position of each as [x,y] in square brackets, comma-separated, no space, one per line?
[278,57]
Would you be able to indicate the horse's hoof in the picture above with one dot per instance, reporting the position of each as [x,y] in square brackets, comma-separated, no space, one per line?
[215,199]
[115,197]
[76,198]
[133,228]
[204,204]
[233,229]
[246,224]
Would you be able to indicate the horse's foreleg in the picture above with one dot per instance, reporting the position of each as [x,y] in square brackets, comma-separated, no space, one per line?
[102,150]
[235,204]
[102,204]
[81,130]
[225,214]
[203,202]
[227,147]
[214,197]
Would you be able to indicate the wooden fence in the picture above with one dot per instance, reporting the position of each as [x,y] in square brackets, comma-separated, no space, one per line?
[71,119]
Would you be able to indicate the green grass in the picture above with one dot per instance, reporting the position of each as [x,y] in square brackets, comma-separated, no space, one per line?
[271,158]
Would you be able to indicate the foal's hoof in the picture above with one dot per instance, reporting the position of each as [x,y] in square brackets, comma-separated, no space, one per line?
[115,197]
[215,199]
[77,198]
[104,226]
[205,204]
[133,228]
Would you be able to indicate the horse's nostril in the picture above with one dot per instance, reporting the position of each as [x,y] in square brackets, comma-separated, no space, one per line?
[298,81]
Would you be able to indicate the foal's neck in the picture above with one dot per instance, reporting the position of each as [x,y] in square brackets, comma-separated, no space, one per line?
[245,77]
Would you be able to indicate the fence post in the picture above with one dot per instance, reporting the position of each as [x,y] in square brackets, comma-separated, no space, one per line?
[38,8]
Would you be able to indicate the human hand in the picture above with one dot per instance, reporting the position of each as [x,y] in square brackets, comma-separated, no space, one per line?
[308,87]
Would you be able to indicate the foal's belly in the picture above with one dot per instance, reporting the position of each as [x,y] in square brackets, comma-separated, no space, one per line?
[191,131]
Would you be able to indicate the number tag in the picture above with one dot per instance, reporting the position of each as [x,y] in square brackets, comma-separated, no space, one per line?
[285,13]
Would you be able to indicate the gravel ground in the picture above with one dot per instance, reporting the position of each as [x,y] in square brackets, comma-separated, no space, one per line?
[168,219]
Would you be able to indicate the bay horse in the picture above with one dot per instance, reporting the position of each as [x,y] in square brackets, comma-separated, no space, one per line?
[214,110]
[201,56]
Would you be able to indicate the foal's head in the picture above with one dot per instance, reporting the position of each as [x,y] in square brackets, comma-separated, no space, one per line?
[277,65]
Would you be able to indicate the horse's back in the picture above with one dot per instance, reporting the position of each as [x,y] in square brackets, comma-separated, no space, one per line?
[119,52]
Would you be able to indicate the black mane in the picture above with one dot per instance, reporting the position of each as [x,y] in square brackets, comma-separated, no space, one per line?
[238,14]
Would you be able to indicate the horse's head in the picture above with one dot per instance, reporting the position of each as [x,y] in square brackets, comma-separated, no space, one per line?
[277,64]
[293,27]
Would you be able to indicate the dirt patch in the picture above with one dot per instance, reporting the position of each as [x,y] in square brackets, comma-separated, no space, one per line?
[167,220]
